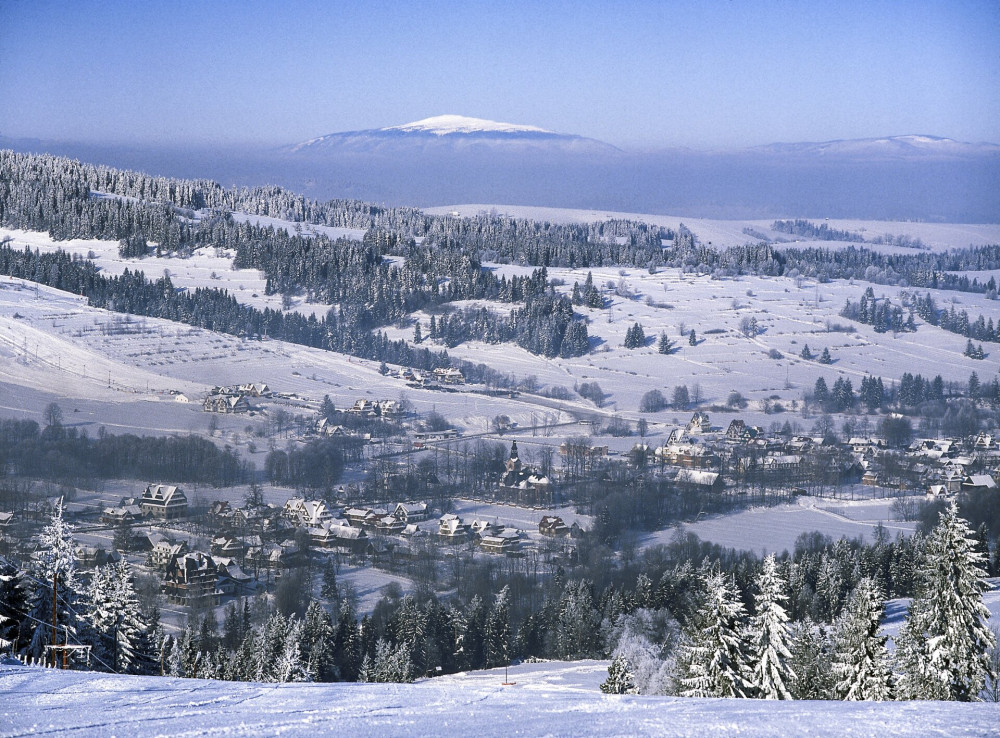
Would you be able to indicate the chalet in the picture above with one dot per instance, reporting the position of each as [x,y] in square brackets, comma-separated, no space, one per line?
[872,478]
[699,423]
[390,408]
[500,543]
[412,530]
[165,550]
[364,408]
[451,529]
[94,556]
[344,539]
[325,428]
[703,480]
[227,546]
[449,376]
[122,515]
[220,512]
[226,404]
[258,389]
[938,490]
[411,512]
[978,483]
[553,525]
[310,513]
[191,578]
[783,462]
[232,579]
[389,525]
[357,516]
[163,501]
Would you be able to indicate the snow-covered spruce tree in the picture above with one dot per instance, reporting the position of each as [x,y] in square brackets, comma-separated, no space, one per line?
[810,649]
[55,566]
[665,345]
[769,654]
[861,665]
[13,606]
[289,667]
[121,633]
[498,630]
[318,644]
[715,659]
[620,679]
[390,664]
[943,649]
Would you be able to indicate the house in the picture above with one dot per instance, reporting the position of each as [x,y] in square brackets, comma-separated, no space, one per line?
[124,514]
[259,389]
[389,525]
[699,423]
[94,556]
[411,512]
[344,539]
[310,513]
[6,519]
[503,542]
[364,408]
[163,501]
[232,579]
[782,462]
[449,376]
[220,403]
[704,480]
[451,529]
[165,550]
[553,525]
[529,486]
[390,409]
[358,516]
[227,546]
[978,483]
[190,578]
[220,512]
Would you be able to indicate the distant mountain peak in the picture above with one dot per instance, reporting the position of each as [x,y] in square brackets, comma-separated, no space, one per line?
[442,134]
[443,125]
[893,147]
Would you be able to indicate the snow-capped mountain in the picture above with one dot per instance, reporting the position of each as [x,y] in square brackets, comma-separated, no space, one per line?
[452,133]
[894,147]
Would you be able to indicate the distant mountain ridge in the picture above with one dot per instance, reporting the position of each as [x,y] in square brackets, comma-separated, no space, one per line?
[455,133]
[912,145]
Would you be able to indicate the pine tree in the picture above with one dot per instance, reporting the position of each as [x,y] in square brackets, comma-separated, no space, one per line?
[770,656]
[942,652]
[665,345]
[288,666]
[620,679]
[825,358]
[860,658]
[806,353]
[692,338]
[635,337]
[716,653]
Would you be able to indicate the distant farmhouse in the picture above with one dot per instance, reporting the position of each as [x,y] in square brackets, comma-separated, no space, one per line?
[163,501]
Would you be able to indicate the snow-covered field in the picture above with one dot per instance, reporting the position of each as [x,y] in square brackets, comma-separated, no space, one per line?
[774,529]
[548,699]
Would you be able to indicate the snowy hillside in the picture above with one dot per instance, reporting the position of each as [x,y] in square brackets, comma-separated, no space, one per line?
[547,699]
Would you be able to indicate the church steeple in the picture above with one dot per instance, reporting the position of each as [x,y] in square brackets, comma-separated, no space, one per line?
[513,450]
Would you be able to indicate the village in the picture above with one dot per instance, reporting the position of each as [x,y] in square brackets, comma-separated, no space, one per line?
[409,516]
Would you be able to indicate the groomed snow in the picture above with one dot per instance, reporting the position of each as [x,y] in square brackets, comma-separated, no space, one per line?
[548,699]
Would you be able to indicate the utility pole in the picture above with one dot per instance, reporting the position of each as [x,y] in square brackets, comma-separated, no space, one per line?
[55,586]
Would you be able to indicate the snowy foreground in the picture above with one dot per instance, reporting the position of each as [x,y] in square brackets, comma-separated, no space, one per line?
[548,699]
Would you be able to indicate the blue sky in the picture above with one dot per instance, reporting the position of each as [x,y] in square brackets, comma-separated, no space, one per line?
[638,74]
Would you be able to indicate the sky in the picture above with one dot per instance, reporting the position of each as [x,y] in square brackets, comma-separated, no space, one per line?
[709,74]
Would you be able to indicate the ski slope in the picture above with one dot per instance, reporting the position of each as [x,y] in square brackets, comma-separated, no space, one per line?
[548,699]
